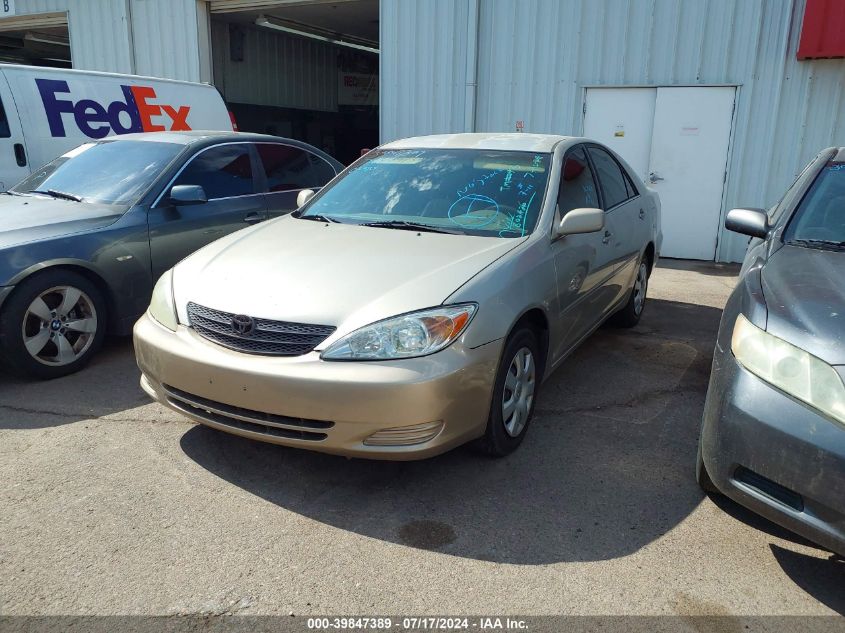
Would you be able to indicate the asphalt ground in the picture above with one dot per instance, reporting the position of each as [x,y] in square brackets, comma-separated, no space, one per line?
[111,504]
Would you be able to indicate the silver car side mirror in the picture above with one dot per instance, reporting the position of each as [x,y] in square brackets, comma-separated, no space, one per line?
[304,196]
[748,221]
[586,220]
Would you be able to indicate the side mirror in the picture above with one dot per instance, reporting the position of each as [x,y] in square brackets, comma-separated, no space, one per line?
[578,221]
[753,222]
[304,196]
[187,194]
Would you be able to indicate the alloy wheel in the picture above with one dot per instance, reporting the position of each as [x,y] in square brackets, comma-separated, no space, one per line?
[59,326]
[640,288]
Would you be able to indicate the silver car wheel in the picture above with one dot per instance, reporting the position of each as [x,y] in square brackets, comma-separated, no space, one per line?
[640,288]
[59,326]
[519,392]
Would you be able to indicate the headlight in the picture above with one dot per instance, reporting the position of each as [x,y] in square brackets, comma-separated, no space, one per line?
[789,368]
[162,307]
[405,336]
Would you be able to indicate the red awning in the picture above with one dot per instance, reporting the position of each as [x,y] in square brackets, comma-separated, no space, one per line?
[823,30]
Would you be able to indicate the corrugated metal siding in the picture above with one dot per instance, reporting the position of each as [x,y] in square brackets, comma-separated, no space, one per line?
[537,56]
[146,37]
[423,70]
[166,38]
[99,31]
[278,70]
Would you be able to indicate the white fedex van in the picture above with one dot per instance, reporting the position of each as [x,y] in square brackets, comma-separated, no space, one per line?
[44,112]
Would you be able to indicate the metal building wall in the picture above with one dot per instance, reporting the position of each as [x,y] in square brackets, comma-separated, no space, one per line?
[535,58]
[278,70]
[145,37]
[165,38]
[423,66]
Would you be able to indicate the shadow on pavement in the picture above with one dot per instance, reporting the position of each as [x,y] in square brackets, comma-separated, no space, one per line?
[822,578]
[711,269]
[108,385]
[605,469]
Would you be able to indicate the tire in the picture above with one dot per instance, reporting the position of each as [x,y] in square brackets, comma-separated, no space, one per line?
[52,325]
[504,434]
[630,315]
[701,475]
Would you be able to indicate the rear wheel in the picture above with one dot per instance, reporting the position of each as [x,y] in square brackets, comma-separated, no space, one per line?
[514,395]
[52,325]
[630,315]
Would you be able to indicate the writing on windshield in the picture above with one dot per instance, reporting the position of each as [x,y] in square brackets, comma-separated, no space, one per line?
[479,192]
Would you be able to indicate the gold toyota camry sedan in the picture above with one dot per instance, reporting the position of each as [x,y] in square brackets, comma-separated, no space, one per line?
[414,304]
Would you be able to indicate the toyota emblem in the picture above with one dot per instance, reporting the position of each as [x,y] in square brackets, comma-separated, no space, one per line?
[243,325]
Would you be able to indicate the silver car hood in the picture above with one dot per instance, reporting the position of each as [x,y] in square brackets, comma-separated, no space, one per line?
[337,274]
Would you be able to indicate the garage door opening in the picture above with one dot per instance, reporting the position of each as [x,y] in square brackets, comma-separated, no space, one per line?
[40,40]
[307,71]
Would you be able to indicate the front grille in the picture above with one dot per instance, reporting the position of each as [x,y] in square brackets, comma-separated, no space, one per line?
[269,338]
[246,419]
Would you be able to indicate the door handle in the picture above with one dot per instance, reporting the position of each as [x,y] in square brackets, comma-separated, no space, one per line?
[606,238]
[653,177]
[254,217]
[642,214]
[20,155]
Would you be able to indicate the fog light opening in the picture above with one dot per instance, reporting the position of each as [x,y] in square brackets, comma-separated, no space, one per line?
[405,435]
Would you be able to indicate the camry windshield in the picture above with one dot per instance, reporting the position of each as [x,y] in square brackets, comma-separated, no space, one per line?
[109,172]
[471,192]
[820,219]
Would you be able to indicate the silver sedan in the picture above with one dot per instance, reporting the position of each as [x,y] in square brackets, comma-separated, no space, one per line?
[416,303]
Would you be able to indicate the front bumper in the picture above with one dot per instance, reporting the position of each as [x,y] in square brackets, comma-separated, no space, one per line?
[774,455]
[305,402]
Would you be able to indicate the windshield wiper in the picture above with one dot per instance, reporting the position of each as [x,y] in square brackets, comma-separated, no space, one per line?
[404,225]
[319,218]
[61,195]
[834,244]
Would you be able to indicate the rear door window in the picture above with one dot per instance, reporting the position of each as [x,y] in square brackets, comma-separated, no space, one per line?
[223,172]
[290,168]
[612,180]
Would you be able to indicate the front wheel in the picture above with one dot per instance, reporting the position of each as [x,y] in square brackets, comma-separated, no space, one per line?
[52,325]
[514,395]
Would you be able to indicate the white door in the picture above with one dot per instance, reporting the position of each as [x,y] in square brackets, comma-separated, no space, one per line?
[687,147]
[622,119]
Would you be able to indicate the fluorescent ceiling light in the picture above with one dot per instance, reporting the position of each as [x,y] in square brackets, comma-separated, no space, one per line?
[315,34]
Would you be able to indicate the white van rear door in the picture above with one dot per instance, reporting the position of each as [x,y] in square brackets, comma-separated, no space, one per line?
[14,158]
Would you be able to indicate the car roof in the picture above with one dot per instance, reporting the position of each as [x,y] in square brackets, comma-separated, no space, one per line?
[202,138]
[513,141]
[194,136]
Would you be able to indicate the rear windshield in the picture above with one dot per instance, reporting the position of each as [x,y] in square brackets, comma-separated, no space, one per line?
[820,218]
[472,192]
[109,172]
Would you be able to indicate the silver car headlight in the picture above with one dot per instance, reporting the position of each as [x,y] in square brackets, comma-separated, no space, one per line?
[789,368]
[404,336]
[162,306]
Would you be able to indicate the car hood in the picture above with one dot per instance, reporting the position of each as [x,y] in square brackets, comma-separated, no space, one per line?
[805,298]
[31,218]
[331,274]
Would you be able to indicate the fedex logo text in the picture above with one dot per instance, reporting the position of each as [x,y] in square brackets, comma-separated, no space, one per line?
[96,121]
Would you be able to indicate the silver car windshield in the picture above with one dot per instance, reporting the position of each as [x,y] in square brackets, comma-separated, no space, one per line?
[820,219]
[471,192]
[109,172]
